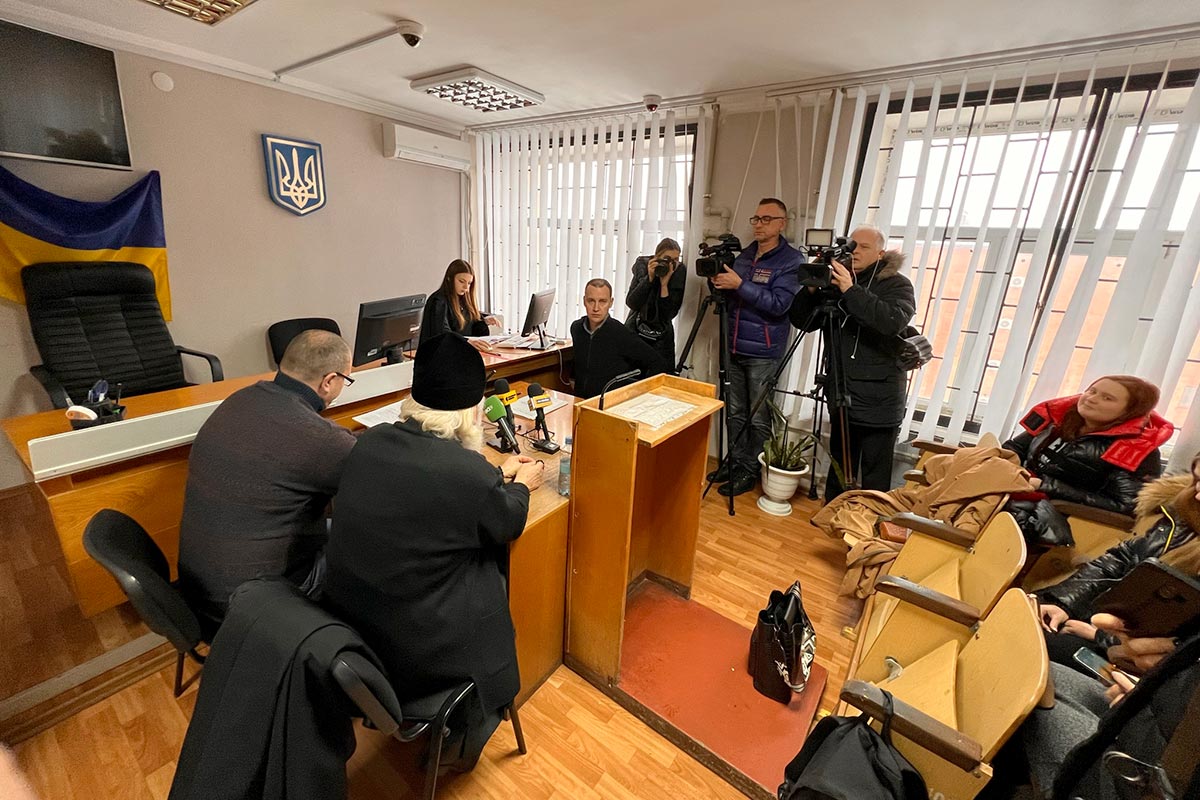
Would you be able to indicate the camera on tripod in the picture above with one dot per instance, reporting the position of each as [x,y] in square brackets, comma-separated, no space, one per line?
[823,249]
[714,256]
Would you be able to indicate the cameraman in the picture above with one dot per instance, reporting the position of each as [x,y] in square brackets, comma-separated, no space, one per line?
[878,303]
[759,290]
[655,297]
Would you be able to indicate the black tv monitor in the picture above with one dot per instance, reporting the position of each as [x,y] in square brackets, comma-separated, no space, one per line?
[60,100]
[539,312]
[386,326]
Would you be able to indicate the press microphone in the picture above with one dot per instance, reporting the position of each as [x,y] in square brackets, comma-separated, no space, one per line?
[507,396]
[624,376]
[494,410]
[538,399]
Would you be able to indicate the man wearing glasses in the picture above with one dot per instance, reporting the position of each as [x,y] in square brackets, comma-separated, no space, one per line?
[261,473]
[759,290]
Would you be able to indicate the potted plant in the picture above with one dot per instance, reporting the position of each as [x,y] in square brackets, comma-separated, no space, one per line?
[783,464]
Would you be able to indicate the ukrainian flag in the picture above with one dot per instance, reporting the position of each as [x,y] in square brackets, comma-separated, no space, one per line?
[37,226]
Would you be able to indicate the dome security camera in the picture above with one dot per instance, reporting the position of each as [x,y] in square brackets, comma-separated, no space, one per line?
[652,102]
[411,32]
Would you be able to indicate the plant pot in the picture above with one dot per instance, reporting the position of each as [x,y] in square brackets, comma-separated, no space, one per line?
[778,486]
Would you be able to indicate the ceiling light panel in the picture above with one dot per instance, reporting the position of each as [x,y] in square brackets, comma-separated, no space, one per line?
[473,88]
[210,12]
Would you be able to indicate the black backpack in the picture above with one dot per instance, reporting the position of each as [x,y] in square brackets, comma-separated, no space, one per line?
[844,758]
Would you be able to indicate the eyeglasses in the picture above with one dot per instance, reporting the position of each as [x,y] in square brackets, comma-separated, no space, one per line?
[349,381]
[764,220]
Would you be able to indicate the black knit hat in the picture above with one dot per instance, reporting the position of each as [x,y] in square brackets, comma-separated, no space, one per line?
[449,374]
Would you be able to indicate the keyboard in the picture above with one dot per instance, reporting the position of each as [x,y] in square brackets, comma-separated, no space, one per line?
[533,342]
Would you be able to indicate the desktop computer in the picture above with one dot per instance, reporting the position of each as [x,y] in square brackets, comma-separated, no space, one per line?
[533,333]
[385,327]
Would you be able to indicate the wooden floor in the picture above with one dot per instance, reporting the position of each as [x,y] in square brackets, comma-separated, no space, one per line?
[581,745]
[42,632]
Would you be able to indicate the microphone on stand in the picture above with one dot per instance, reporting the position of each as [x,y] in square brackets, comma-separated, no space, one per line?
[538,399]
[507,396]
[494,410]
[624,376]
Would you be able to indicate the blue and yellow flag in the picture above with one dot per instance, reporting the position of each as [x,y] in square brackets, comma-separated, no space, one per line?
[37,226]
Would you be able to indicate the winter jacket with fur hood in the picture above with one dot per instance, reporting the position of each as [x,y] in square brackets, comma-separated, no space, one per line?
[878,307]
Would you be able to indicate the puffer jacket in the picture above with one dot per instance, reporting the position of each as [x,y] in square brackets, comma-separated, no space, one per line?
[878,308]
[758,309]
[1169,507]
[1104,470]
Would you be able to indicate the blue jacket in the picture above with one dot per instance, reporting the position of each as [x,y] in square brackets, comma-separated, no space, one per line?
[758,309]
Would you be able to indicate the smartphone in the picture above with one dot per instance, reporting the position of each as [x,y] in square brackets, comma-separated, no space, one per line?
[1154,600]
[1096,664]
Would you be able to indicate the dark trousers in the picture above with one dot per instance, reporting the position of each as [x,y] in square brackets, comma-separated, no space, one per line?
[747,378]
[871,455]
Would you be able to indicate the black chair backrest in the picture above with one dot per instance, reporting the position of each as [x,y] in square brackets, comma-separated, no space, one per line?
[280,334]
[94,320]
[123,547]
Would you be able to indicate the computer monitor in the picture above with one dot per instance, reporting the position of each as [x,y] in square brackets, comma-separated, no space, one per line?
[539,312]
[386,326]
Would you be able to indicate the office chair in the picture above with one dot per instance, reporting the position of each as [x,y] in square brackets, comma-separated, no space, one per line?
[367,687]
[101,320]
[123,547]
[280,335]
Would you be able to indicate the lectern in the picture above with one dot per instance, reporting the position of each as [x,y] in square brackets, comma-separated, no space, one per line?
[635,508]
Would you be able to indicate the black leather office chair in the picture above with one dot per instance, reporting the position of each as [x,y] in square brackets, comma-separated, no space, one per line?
[368,688]
[101,320]
[280,334]
[123,547]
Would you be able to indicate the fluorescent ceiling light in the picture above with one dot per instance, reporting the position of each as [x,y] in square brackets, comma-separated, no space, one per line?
[474,88]
[210,12]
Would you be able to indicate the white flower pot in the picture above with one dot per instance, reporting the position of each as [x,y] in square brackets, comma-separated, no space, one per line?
[778,486]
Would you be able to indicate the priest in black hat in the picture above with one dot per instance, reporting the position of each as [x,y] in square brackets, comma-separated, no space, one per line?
[419,545]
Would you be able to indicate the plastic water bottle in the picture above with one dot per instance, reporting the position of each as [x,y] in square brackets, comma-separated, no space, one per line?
[564,469]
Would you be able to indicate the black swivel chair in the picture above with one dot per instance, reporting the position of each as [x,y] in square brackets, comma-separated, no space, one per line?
[280,334]
[101,320]
[123,547]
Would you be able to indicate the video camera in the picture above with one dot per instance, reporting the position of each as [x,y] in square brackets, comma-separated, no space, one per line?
[714,256]
[823,249]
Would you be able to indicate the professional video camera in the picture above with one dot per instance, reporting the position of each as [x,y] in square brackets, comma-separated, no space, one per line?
[715,256]
[823,249]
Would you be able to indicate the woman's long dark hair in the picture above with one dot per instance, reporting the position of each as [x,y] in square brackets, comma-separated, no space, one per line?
[458,267]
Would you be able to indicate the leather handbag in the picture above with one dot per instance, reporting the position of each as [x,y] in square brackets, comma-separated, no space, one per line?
[782,646]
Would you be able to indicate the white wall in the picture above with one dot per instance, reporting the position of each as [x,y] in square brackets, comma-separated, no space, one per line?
[237,261]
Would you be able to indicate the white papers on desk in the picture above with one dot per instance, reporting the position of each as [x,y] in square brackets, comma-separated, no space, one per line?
[521,408]
[384,415]
[652,409]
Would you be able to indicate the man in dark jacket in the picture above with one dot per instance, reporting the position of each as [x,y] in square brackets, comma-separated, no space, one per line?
[759,289]
[419,547]
[604,348]
[878,303]
[261,473]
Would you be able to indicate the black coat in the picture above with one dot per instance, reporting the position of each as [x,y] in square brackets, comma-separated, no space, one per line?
[437,319]
[877,308]
[270,722]
[650,313]
[416,559]
[607,352]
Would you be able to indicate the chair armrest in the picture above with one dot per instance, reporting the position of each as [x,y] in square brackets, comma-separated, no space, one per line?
[916,476]
[937,737]
[936,448]
[931,527]
[920,596]
[214,363]
[58,394]
[347,669]
[1102,516]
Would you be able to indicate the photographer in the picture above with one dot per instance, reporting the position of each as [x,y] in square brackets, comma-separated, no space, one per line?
[655,297]
[759,289]
[877,303]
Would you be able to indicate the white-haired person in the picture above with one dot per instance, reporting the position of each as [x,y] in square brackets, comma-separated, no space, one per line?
[419,546]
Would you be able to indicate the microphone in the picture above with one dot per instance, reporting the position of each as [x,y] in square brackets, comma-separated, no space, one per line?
[494,410]
[506,396]
[624,376]
[538,399]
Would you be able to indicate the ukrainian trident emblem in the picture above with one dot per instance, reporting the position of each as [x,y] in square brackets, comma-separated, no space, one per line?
[295,174]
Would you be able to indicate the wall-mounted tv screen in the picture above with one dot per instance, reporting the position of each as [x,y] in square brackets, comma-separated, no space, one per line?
[59,100]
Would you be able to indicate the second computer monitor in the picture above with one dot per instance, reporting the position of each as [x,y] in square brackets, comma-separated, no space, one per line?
[539,311]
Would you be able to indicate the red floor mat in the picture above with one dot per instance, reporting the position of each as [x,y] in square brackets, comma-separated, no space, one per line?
[688,664]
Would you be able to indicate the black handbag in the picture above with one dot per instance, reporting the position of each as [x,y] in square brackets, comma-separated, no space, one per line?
[844,758]
[782,646]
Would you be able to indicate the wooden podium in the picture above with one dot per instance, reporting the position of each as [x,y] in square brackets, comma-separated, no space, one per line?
[635,512]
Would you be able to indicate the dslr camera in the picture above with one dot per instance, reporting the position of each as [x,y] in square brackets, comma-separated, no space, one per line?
[659,267]
[823,249]
[714,256]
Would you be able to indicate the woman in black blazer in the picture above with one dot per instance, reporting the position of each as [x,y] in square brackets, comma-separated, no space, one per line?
[452,308]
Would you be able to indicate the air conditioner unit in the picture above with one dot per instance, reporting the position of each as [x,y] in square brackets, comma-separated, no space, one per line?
[409,144]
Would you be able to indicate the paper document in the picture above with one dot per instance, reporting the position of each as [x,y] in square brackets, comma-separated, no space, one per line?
[521,407]
[652,409]
[384,415]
